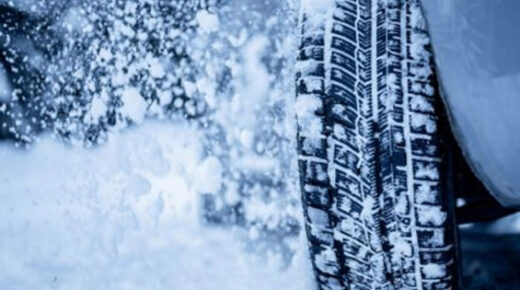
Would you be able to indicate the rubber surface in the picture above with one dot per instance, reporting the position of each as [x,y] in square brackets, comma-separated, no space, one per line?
[370,162]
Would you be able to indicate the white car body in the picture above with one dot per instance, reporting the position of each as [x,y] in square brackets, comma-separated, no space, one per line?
[477,52]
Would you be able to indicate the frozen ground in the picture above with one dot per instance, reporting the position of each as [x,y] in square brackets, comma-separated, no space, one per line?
[125,216]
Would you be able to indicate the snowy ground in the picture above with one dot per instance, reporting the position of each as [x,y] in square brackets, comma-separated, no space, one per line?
[125,216]
[127,213]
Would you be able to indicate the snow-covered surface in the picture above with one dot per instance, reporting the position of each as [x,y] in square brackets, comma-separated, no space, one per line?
[316,12]
[476,48]
[126,215]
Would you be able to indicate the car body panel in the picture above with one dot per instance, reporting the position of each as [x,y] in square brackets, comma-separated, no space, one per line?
[477,52]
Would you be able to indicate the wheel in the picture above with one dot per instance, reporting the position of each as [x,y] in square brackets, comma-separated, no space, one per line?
[373,178]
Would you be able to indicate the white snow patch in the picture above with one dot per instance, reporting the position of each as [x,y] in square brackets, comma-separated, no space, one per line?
[368,208]
[307,66]
[207,88]
[97,108]
[156,69]
[419,120]
[402,205]
[434,271]
[437,239]
[426,170]
[426,194]
[401,247]
[417,49]
[316,12]
[418,102]
[326,261]
[317,5]
[339,132]
[134,105]
[208,22]
[306,107]
[416,17]
[431,215]
[165,97]
[251,162]
[74,20]
[258,78]
[317,216]
[208,177]
[247,138]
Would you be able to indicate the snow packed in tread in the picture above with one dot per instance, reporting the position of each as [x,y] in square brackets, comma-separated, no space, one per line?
[382,157]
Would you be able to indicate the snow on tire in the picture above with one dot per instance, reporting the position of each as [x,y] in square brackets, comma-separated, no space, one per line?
[370,156]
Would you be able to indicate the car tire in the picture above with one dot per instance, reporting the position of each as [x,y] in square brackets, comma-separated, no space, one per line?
[374,187]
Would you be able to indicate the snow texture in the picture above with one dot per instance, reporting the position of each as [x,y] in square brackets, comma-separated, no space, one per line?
[125,216]
[5,87]
[227,72]
[205,199]
[208,22]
